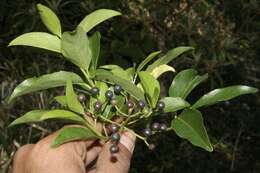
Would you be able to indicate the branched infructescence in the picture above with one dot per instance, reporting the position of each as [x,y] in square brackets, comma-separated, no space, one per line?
[107,100]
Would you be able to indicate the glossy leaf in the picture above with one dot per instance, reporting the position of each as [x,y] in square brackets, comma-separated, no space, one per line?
[94,43]
[172,54]
[107,112]
[147,60]
[158,71]
[72,99]
[126,85]
[75,47]
[189,125]
[44,82]
[184,82]
[50,20]
[32,116]
[62,114]
[223,94]
[68,134]
[62,100]
[117,71]
[173,104]
[97,17]
[102,90]
[38,39]
[151,87]
[41,115]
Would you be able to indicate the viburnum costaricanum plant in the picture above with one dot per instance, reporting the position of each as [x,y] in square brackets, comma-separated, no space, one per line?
[114,98]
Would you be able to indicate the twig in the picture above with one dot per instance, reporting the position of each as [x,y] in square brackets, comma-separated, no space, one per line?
[235,149]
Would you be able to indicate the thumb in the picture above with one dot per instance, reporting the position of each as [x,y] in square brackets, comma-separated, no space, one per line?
[119,162]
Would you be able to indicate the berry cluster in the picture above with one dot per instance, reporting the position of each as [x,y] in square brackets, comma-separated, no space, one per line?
[133,107]
[155,127]
[115,137]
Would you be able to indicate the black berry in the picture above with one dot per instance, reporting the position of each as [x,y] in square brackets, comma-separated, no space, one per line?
[141,104]
[117,89]
[97,105]
[147,132]
[81,97]
[114,128]
[160,105]
[109,94]
[155,126]
[130,104]
[115,137]
[95,91]
[163,127]
[114,148]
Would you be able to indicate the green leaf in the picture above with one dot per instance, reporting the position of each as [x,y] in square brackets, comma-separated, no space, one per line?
[118,71]
[72,99]
[172,54]
[97,17]
[62,114]
[223,94]
[184,82]
[75,47]
[62,100]
[126,85]
[94,43]
[189,125]
[173,104]
[44,82]
[38,39]
[158,71]
[32,116]
[151,87]
[50,20]
[147,60]
[41,115]
[102,90]
[107,112]
[68,134]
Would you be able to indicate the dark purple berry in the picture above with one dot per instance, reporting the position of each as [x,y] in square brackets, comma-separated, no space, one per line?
[113,102]
[155,126]
[117,89]
[114,128]
[141,104]
[130,104]
[114,148]
[109,94]
[163,127]
[115,137]
[97,105]
[160,105]
[95,91]
[81,97]
[147,132]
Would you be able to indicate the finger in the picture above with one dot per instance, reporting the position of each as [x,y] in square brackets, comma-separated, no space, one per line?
[93,152]
[18,163]
[119,162]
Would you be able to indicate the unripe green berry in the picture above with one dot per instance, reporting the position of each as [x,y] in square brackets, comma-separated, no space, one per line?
[81,97]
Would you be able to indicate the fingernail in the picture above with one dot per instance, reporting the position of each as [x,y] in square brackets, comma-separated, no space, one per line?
[128,140]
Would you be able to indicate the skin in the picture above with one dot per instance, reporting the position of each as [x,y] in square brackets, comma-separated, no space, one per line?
[74,157]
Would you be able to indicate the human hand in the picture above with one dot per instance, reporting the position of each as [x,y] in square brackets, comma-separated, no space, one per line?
[74,157]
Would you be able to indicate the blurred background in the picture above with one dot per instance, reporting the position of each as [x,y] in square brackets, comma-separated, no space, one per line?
[225,34]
